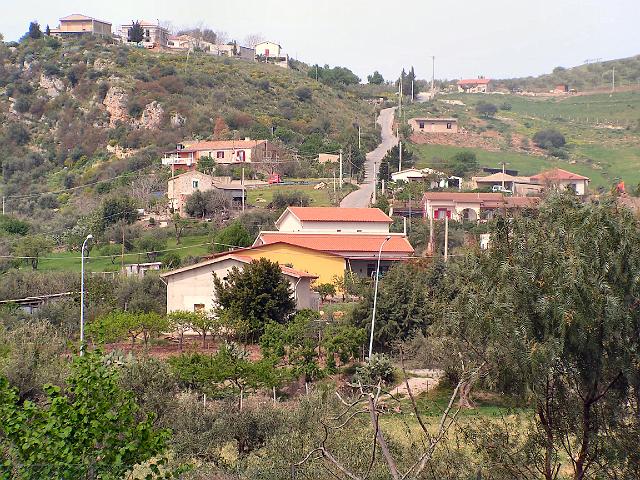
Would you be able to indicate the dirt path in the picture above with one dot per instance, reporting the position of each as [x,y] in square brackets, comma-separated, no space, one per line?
[362,197]
[420,381]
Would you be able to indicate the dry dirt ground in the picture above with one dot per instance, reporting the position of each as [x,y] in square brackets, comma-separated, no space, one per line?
[420,381]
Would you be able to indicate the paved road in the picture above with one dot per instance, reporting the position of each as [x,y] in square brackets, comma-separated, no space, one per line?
[362,198]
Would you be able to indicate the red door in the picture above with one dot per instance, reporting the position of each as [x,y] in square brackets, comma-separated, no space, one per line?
[266,52]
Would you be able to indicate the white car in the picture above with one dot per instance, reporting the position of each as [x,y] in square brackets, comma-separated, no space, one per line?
[500,189]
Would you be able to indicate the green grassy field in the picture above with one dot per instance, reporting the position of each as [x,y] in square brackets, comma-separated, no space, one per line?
[261,197]
[602,132]
[70,261]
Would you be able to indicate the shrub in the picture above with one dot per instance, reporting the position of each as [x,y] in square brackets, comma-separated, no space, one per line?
[22,105]
[378,370]
[549,139]
[506,106]
[171,260]
[486,109]
[303,93]
[282,200]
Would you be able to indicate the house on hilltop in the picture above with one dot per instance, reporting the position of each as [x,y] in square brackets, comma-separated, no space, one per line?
[474,85]
[180,187]
[271,52]
[559,179]
[154,34]
[78,24]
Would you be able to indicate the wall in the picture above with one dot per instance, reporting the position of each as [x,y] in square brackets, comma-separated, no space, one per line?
[291,224]
[433,126]
[181,186]
[274,50]
[325,266]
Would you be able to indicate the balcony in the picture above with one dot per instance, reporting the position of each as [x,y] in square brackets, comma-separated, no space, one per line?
[174,159]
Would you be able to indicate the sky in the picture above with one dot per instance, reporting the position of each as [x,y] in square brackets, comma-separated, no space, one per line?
[493,38]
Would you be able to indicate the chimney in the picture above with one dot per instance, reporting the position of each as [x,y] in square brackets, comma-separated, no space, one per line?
[247,139]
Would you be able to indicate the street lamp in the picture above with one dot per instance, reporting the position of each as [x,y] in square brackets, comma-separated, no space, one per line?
[375,296]
[84,244]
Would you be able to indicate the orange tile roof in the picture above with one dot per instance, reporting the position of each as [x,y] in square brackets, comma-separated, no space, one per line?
[339,214]
[222,144]
[341,242]
[557,174]
[474,81]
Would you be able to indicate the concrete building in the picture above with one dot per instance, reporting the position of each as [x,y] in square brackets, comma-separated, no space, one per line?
[333,220]
[154,34]
[518,185]
[474,85]
[436,179]
[78,24]
[187,153]
[191,288]
[271,52]
[180,187]
[140,269]
[434,125]
[471,206]
[559,179]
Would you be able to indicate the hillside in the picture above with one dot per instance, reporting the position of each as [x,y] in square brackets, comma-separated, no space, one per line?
[590,76]
[78,112]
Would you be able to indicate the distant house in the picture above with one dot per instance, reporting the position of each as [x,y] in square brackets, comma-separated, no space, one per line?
[140,269]
[559,179]
[180,187]
[78,24]
[333,220]
[272,53]
[191,288]
[181,42]
[434,125]
[474,85]
[187,153]
[516,184]
[471,206]
[561,88]
[154,34]
[435,178]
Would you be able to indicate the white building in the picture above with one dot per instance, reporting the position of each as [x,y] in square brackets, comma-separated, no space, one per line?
[437,179]
[559,179]
[333,220]
[154,34]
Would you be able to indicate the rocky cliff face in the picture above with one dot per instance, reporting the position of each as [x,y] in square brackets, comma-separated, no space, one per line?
[52,85]
[115,102]
[151,117]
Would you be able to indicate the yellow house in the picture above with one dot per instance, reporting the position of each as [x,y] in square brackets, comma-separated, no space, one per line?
[326,266]
[78,24]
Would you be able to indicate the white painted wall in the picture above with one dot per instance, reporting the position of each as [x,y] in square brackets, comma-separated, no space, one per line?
[291,224]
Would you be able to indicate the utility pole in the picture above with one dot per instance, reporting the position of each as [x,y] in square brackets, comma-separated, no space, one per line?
[446,236]
[340,184]
[400,97]
[433,76]
[399,156]
[613,79]
[243,191]
[3,201]
[359,137]
[503,176]
[375,182]
[412,80]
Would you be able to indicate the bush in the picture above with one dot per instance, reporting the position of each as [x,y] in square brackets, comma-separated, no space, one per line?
[378,370]
[282,200]
[486,109]
[22,105]
[171,260]
[506,106]
[303,93]
[549,139]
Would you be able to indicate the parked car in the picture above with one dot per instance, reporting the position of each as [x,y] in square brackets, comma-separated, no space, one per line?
[500,189]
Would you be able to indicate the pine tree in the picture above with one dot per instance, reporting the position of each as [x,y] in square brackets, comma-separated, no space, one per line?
[136,32]
[34,30]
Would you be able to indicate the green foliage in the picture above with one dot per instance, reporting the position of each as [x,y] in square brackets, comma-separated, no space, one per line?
[209,203]
[117,325]
[206,165]
[89,429]
[303,94]
[344,341]
[325,290]
[336,76]
[393,159]
[376,78]
[382,202]
[486,109]
[171,260]
[282,200]
[151,245]
[34,31]
[13,225]
[378,369]
[463,163]
[232,236]
[117,209]
[136,32]
[33,247]
[549,139]
[250,298]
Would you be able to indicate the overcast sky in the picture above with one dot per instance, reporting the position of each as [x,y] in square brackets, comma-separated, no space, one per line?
[494,38]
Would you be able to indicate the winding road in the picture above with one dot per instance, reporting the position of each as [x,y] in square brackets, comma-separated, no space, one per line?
[361,198]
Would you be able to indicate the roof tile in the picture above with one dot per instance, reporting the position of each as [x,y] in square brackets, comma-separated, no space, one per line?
[332,242]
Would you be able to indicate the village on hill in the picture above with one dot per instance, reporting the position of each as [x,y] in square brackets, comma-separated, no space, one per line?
[220,262]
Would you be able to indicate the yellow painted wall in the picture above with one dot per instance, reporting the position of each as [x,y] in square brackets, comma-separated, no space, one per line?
[317,263]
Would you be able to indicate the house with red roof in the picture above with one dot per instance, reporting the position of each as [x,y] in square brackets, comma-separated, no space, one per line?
[474,85]
[471,206]
[333,220]
[559,179]
[186,155]
[191,288]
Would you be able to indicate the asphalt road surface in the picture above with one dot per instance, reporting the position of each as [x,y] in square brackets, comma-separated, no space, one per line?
[362,198]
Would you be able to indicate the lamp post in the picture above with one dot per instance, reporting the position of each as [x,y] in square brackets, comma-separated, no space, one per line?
[84,244]
[375,296]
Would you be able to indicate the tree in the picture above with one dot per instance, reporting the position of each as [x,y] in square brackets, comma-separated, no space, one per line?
[303,94]
[117,209]
[151,245]
[91,429]
[325,290]
[32,247]
[393,158]
[14,225]
[486,109]
[136,32]
[171,260]
[34,30]
[297,198]
[206,165]
[550,311]
[252,297]
[232,236]
[463,163]
[47,31]
[549,139]
[180,321]
[375,79]
[119,324]
[253,39]
[179,224]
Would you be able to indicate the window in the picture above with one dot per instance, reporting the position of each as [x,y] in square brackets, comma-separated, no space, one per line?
[220,154]
[421,125]
[198,307]
[448,125]
[195,183]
